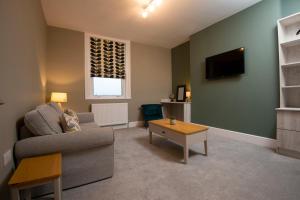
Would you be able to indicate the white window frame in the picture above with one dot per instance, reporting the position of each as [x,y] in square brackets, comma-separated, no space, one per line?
[126,83]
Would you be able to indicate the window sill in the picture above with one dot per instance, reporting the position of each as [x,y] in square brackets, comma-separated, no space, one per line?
[107,98]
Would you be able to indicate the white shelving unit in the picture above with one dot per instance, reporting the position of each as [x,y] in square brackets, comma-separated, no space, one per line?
[179,110]
[288,115]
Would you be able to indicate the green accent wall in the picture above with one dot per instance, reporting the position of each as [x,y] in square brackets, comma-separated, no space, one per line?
[244,103]
[290,7]
[181,66]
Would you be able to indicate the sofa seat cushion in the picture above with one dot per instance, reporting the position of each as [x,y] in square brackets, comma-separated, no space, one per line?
[44,120]
[64,143]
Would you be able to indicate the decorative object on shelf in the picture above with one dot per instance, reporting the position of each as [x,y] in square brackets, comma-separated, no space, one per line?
[59,97]
[179,110]
[298,32]
[181,95]
[172,120]
[1,102]
[172,97]
[188,96]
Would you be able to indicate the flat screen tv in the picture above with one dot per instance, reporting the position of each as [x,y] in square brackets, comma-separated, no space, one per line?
[226,64]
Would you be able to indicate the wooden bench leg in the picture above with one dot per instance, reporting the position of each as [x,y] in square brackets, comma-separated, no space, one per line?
[205,147]
[186,153]
[15,195]
[57,189]
[150,137]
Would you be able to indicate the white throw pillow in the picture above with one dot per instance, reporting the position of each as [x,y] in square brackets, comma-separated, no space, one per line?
[69,123]
[72,113]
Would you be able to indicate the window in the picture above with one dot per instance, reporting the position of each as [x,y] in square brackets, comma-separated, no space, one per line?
[107,86]
[107,68]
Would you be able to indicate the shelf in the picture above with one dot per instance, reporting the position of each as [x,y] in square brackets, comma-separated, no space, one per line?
[290,65]
[288,109]
[291,43]
[292,19]
[176,102]
[291,87]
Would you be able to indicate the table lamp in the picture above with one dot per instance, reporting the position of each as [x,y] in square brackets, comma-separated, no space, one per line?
[188,96]
[59,97]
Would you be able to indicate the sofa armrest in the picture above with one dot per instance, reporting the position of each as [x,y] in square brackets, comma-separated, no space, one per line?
[64,143]
[86,117]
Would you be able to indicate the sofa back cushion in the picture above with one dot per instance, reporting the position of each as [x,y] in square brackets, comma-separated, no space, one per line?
[44,120]
[56,107]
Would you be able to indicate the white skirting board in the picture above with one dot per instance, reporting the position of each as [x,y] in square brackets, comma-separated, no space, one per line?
[136,124]
[253,139]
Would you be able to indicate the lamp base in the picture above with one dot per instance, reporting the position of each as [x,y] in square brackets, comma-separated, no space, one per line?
[60,106]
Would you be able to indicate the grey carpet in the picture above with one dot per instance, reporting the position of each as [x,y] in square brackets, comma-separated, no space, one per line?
[233,170]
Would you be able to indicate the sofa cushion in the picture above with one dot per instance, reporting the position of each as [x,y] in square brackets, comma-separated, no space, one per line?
[70,124]
[64,143]
[72,113]
[56,107]
[44,120]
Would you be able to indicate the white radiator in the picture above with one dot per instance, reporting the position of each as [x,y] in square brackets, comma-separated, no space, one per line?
[110,114]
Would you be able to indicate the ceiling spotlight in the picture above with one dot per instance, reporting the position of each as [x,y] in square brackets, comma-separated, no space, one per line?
[144,14]
[157,2]
[150,7]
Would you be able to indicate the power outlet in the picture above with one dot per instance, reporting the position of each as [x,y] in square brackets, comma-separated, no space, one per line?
[7,157]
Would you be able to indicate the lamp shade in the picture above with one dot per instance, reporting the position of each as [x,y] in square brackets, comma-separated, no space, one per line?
[59,97]
[188,94]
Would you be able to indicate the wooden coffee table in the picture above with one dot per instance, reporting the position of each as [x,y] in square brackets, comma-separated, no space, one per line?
[36,171]
[182,133]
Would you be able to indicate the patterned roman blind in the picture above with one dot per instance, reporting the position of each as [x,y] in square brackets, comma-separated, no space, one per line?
[107,58]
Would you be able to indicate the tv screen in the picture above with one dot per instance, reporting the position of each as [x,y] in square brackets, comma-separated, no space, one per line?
[226,64]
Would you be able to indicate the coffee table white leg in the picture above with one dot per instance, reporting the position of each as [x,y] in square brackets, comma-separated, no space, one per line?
[57,189]
[186,152]
[150,136]
[27,194]
[205,147]
[15,194]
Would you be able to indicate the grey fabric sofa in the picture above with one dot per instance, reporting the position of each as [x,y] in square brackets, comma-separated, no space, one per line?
[87,155]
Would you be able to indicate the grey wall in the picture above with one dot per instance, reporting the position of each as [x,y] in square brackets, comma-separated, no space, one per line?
[151,77]
[150,68]
[22,74]
[245,103]
[181,66]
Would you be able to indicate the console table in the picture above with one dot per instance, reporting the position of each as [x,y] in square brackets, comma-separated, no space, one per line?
[179,110]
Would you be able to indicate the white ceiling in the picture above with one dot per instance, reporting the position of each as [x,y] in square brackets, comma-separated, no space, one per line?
[169,25]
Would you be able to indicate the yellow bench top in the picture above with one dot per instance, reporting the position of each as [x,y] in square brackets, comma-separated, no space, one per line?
[180,126]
